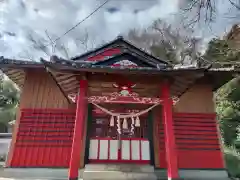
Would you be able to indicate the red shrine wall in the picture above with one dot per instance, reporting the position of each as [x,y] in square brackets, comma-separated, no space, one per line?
[44,135]
[196,131]
[44,138]
[44,125]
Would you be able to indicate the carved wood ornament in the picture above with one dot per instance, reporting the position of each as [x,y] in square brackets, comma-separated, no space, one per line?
[124,95]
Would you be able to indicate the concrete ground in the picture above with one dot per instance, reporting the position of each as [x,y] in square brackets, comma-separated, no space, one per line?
[30,179]
[101,173]
[22,179]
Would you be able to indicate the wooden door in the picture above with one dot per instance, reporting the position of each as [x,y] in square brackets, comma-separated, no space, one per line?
[107,147]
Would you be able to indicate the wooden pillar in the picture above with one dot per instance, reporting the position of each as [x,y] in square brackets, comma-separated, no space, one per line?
[78,130]
[171,153]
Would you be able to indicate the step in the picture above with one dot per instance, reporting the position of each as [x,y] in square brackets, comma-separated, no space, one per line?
[119,167]
[118,171]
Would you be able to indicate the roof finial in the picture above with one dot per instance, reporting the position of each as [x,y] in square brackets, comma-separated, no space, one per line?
[119,37]
[53,58]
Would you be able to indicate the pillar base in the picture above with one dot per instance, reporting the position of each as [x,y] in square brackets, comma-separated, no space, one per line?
[73,178]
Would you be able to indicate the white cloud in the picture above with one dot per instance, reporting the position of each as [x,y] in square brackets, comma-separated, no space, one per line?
[31,17]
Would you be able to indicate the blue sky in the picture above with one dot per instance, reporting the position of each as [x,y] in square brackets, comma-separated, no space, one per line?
[22,20]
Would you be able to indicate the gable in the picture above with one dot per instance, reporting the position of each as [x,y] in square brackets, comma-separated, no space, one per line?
[115,48]
[103,55]
[126,60]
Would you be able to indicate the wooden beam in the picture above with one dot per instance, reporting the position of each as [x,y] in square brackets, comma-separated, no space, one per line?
[68,81]
[60,88]
[71,89]
[63,77]
[119,78]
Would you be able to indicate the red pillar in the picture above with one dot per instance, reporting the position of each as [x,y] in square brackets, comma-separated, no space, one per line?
[78,130]
[171,153]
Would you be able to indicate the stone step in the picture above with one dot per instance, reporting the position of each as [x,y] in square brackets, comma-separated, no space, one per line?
[120,167]
[118,171]
[118,175]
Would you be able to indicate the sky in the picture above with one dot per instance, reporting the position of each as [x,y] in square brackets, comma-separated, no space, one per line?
[25,23]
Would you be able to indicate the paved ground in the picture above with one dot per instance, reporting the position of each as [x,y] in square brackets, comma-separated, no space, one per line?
[18,179]
[30,179]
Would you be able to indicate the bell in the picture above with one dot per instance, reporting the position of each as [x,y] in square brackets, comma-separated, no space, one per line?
[137,123]
[112,121]
[125,124]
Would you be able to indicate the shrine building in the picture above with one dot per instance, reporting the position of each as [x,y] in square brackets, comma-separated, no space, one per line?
[117,105]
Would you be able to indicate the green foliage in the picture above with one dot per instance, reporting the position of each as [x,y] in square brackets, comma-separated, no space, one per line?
[220,50]
[232,159]
[228,110]
[227,98]
[9,100]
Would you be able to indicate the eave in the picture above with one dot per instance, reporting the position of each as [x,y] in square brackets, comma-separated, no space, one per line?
[64,65]
[182,78]
[16,69]
[66,73]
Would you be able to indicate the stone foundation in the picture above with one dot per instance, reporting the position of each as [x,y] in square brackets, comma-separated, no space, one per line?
[196,174]
[107,172]
[123,171]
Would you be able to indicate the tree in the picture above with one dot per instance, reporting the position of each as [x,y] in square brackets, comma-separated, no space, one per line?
[228,110]
[50,44]
[205,9]
[9,100]
[167,42]
[232,158]
[221,50]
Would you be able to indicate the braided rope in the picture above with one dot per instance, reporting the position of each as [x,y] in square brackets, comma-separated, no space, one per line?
[130,115]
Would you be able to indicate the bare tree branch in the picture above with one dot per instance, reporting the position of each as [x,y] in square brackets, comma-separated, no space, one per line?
[167,42]
[191,6]
[235,4]
[203,9]
[65,50]
[26,55]
[59,48]
[53,45]
[38,44]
